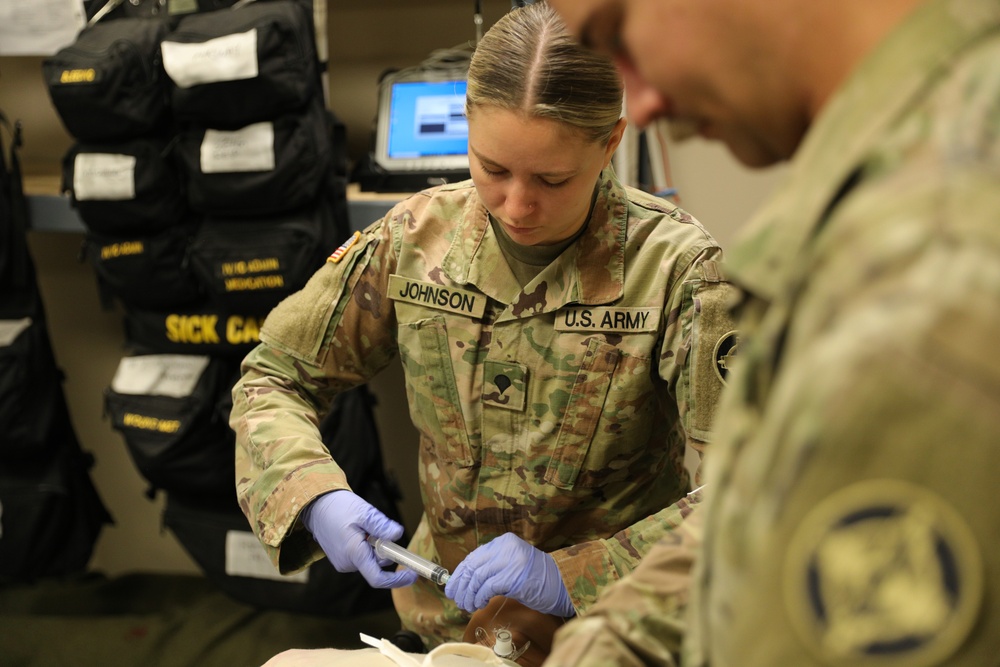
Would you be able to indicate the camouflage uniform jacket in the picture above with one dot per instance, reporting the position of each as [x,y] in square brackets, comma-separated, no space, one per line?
[559,411]
[850,514]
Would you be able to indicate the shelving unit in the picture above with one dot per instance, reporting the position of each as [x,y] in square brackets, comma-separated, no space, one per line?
[363,40]
[51,211]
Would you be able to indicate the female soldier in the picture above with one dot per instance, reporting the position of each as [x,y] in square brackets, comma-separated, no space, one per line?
[559,336]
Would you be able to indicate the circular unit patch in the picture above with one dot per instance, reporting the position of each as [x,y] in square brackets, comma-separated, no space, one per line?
[725,352]
[883,573]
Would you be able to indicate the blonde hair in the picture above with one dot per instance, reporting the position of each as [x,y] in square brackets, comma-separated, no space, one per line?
[529,62]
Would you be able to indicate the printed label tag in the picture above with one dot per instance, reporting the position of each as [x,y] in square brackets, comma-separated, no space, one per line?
[436,296]
[227,58]
[249,148]
[106,176]
[615,320]
[71,76]
[245,557]
[173,375]
[11,329]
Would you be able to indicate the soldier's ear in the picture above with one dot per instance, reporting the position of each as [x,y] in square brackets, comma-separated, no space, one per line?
[614,140]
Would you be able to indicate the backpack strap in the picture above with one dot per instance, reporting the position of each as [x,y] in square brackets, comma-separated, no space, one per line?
[13,210]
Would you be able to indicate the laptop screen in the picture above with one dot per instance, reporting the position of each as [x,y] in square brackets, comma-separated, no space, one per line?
[421,124]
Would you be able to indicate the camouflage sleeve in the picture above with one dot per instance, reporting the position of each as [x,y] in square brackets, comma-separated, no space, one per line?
[288,382]
[640,619]
[856,512]
[701,346]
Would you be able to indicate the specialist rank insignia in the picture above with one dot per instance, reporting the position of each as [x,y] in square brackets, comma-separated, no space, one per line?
[883,573]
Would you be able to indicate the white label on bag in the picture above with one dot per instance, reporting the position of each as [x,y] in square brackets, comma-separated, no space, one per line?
[249,148]
[173,375]
[245,557]
[11,329]
[106,176]
[227,58]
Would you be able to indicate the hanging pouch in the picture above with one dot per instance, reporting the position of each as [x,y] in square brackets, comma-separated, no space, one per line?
[128,188]
[220,541]
[51,513]
[29,387]
[164,407]
[233,67]
[144,272]
[109,84]
[251,265]
[200,329]
[260,169]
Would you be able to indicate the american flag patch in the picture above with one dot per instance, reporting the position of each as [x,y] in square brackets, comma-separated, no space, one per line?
[339,253]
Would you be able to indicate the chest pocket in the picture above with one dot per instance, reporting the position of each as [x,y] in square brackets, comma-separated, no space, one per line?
[583,411]
[435,402]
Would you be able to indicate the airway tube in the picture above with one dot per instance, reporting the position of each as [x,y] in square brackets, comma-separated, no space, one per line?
[505,645]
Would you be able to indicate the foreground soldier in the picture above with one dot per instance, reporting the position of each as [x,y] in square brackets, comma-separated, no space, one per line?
[558,334]
[849,517]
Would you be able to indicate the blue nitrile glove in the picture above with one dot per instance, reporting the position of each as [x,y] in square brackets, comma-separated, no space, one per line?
[340,521]
[510,566]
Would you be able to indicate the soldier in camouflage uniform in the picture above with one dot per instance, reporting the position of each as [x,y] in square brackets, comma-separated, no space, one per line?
[850,516]
[559,335]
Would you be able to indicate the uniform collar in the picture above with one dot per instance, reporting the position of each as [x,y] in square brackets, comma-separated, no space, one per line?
[589,272]
[773,251]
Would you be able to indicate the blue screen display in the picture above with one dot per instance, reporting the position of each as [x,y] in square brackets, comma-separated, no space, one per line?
[427,118]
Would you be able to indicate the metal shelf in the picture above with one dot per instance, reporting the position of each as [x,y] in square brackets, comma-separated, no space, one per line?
[53,213]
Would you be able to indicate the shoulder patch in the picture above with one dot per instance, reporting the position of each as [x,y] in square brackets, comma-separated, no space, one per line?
[883,573]
[725,353]
[339,253]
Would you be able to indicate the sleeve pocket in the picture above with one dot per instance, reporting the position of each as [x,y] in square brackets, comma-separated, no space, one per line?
[714,343]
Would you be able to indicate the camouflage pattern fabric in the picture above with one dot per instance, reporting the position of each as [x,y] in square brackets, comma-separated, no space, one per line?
[640,620]
[559,411]
[850,516]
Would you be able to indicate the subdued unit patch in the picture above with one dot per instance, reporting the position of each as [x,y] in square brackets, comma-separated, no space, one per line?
[725,352]
[883,573]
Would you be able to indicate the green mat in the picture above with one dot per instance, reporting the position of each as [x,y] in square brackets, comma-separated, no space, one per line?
[155,620]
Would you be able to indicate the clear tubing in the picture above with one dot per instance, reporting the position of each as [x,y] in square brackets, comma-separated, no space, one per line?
[406,558]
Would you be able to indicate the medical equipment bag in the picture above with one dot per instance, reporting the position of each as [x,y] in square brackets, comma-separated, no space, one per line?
[109,85]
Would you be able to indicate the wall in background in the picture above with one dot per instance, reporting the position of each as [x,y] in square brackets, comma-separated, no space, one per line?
[364,41]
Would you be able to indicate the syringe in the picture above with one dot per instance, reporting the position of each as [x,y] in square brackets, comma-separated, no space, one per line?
[406,558]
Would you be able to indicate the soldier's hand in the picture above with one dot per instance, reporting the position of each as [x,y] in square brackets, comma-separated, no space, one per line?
[340,521]
[510,566]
